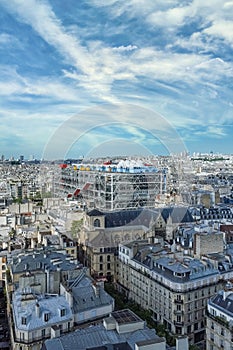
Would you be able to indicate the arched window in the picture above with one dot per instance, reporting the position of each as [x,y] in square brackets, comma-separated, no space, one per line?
[97,223]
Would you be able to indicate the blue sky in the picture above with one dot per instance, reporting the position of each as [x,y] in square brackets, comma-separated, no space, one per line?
[121,77]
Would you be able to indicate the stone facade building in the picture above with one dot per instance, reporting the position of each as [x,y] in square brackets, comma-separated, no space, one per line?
[175,287]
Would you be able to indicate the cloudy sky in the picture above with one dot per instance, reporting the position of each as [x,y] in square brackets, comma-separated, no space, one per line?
[115,76]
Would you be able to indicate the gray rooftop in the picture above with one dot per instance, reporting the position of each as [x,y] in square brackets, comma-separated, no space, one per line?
[97,336]
[41,260]
[24,306]
[88,296]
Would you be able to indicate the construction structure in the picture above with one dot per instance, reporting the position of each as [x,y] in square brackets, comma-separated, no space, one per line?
[127,184]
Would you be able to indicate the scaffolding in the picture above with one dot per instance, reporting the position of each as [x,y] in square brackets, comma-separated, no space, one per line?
[112,188]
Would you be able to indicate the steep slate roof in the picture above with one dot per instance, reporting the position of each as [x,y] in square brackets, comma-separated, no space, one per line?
[143,216]
[225,304]
[47,304]
[177,214]
[131,217]
[85,297]
[95,212]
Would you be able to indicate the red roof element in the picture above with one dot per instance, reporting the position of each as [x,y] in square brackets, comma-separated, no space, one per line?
[69,195]
[86,186]
[77,191]
[63,166]
[108,162]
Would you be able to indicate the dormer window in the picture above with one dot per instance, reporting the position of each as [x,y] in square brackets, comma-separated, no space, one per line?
[46,316]
[63,312]
[24,320]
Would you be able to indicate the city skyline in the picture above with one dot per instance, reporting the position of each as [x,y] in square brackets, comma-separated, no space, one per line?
[159,72]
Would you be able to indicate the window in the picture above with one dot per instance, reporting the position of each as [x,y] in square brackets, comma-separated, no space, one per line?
[46,316]
[101,267]
[24,320]
[108,266]
[97,223]
[178,330]
[101,258]
[63,312]
[43,332]
[108,258]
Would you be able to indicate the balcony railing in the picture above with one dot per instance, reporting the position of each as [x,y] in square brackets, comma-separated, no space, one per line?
[31,341]
[177,301]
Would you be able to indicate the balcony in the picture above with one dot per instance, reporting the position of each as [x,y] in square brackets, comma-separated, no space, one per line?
[32,341]
[178,312]
[178,324]
[177,301]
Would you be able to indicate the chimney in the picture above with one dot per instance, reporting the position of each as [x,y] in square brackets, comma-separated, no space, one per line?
[37,307]
[182,343]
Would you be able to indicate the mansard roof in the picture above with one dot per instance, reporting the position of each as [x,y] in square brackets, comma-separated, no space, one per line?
[95,212]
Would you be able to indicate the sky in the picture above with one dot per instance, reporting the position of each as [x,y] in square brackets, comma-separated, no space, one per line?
[99,78]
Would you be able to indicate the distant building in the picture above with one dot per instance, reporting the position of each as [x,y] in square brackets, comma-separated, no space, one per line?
[3,267]
[207,243]
[125,185]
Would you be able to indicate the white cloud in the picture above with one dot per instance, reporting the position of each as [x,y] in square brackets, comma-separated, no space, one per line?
[125,48]
[97,67]
[6,38]
[221,29]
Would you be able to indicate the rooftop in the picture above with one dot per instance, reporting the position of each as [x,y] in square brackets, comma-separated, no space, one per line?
[29,310]
[125,316]
[98,337]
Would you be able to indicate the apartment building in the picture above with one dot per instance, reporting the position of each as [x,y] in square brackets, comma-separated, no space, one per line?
[43,268]
[219,320]
[37,317]
[87,298]
[174,286]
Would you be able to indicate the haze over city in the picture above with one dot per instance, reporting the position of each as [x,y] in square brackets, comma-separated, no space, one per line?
[63,61]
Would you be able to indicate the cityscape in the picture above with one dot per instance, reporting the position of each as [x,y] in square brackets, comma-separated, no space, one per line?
[116,175]
[129,252]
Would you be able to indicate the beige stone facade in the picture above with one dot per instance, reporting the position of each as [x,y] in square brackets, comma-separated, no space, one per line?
[175,300]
